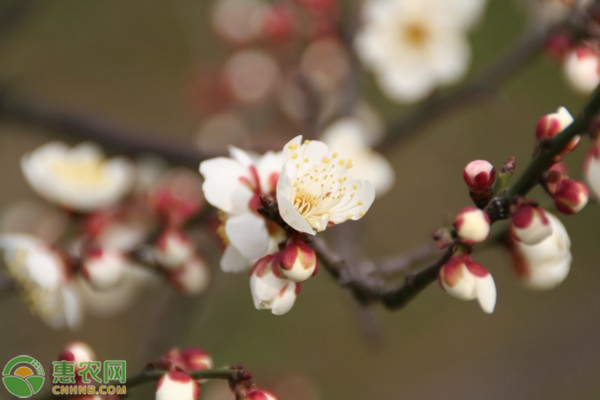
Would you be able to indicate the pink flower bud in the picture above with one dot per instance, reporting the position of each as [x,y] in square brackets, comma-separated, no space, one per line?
[177,385]
[472,225]
[103,268]
[554,175]
[571,196]
[582,69]
[192,278]
[270,290]
[465,279]
[529,225]
[173,249]
[177,196]
[278,22]
[77,352]
[479,175]
[298,261]
[260,394]
[591,169]
[195,359]
[552,124]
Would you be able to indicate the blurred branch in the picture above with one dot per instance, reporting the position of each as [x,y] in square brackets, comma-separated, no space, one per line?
[368,290]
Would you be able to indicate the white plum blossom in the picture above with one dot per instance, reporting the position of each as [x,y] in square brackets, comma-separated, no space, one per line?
[591,169]
[314,189]
[234,186]
[42,276]
[177,385]
[78,178]
[546,264]
[350,137]
[413,46]
[465,279]
[582,69]
[104,268]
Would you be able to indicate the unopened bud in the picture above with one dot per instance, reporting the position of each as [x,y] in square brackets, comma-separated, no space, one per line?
[104,268]
[591,169]
[479,175]
[465,279]
[552,124]
[173,249]
[77,352]
[298,261]
[192,278]
[270,289]
[196,359]
[472,225]
[260,394]
[554,175]
[582,69]
[177,385]
[529,225]
[571,196]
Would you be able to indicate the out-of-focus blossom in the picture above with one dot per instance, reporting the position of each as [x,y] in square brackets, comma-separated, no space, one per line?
[120,228]
[270,290]
[177,385]
[238,21]
[544,265]
[413,46]
[34,218]
[260,394]
[472,225]
[465,279]
[529,225]
[349,137]
[553,11]
[78,178]
[77,352]
[326,64]
[221,130]
[251,74]
[44,280]
[173,249]
[196,359]
[176,196]
[314,190]
[571,196]
[582,69]
[234,186]
[104,268]
[192,277]
[591,169]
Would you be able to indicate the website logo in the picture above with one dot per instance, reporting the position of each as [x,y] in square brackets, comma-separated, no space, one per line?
[23,376]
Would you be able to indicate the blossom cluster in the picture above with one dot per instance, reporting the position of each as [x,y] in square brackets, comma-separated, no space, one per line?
[539,242]
[116,226]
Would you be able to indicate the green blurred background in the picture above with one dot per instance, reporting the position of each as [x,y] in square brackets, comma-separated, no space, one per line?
[131,62]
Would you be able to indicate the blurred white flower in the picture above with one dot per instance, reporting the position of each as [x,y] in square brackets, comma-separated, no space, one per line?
[582,69]
[591,168]
[43,278]
[234,186]
[413,46]
[177,385]
[251,74]
[314,189]
[78,178]
[349,136]
[238,21]
[546,264]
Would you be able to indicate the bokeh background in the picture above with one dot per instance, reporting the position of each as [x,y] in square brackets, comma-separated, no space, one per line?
[131,63]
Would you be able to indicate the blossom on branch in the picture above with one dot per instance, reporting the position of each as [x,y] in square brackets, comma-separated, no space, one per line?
[177,385]
[79,178]
[270,289]
[413,46]
[314,190]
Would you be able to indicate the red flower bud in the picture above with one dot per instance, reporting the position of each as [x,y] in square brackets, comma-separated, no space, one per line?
[571,196]
[479,175]
[298,261]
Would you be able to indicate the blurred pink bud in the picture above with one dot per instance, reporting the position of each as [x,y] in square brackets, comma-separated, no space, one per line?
[192,278]
[173,249]
[571,196]
[550,125]
[278,22]
[104,268]
[298,261]
[270,289]
[529,225]
[465,279]
[558,44]
[196,359]
[260,394]
[472,225]
[177,196]
[582,69]
[591,169]
[479,175]
[554,175]
[177,385]
[77,352]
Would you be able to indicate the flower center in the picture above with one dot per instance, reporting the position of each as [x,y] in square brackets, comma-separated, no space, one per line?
[88,173]
[415,33]
[304,203]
